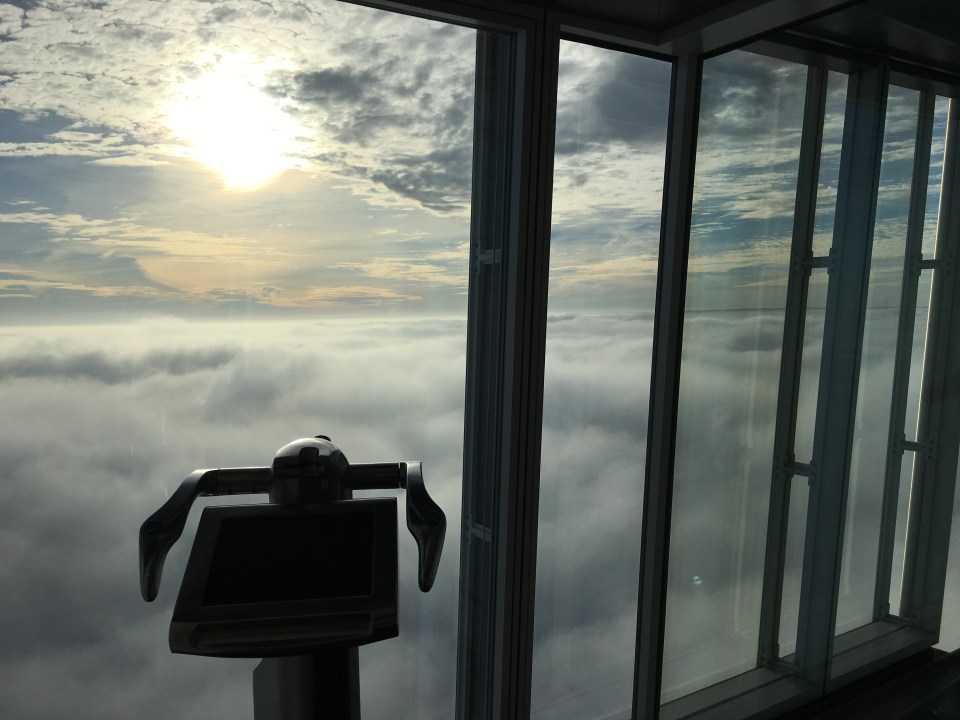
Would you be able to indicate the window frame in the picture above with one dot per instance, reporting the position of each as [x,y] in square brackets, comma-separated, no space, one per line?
[779,684]
[505,388]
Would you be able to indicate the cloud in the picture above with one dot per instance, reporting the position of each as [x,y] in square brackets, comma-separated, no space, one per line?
[747,95]
[355,295]
[440,180]
[610,97]
[590,501]
[610,139]
[115,206]
[95,440]
[341,84]
[111,74]
[129,410]
[448,273]
[37,362]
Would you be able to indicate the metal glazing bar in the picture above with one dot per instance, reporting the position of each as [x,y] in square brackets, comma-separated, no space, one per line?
[804,216]
[802,469]
[839,370]
[822,261]
[513,156]
[935,474]
[904,352]
[665,382]
[492,229]
[527,283]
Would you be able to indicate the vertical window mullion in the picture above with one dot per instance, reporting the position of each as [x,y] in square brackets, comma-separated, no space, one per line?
[512,184]
[529,283]
[492,234]
[783,461]
[904,351]
[836,401]
[935,470]
[665,382]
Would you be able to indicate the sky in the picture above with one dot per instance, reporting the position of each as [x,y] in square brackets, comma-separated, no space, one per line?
[131,182]
[176,295]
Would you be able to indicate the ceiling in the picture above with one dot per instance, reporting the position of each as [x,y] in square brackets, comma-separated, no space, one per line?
[924,32]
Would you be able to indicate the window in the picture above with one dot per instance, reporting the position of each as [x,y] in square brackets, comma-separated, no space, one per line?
[898,303]
[608,174]
[740,248]
[781,327]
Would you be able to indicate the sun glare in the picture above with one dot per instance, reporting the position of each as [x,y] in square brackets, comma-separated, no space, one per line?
[231,125]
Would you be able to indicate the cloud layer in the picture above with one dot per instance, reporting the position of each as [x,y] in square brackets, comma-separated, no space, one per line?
[94,442]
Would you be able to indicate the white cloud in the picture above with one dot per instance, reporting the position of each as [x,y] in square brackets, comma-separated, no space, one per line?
[101,425]
[114,70]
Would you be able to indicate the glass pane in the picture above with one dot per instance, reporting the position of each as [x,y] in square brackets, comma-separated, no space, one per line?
[920,327]
[225,226]
[872,429]
[810,365]
[910,431]
[937,148]
[611,136]
[950,623]
[793,565]
[900,532]
[744,196]
[833,117]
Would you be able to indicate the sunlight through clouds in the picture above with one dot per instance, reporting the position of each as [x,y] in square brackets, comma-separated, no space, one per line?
[232,125]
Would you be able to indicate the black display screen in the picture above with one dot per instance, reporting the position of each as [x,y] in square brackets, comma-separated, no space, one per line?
[279,559]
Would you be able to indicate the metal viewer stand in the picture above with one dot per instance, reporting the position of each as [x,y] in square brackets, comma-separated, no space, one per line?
[301,581]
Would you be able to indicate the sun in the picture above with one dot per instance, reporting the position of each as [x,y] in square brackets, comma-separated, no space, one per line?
[232,125]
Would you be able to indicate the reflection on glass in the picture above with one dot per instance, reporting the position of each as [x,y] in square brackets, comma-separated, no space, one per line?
[833,117]
[744,194]
[611,136]
[855,605]
[225,226]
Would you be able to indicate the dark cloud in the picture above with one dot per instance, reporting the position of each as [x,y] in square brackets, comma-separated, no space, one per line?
[439,180]
[110,369]
[632,104]
[746,95]
[362,106]
[625,101]
[221,14]
[32,4]
[337,85]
